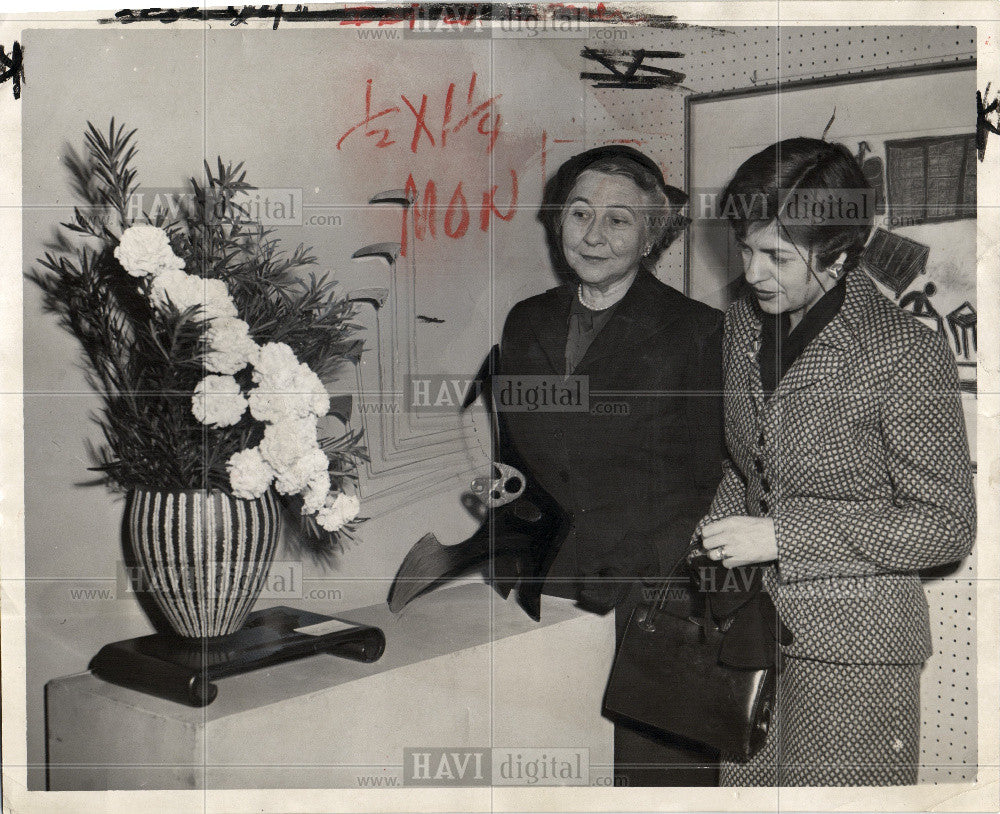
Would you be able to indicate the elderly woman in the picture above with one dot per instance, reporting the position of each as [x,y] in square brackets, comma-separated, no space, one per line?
[639,467]
[850,472]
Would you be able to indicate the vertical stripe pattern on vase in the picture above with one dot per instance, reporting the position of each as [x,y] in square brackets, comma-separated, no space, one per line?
[204,555]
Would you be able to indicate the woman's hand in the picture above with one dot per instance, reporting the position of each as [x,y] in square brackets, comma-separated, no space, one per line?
[740,540]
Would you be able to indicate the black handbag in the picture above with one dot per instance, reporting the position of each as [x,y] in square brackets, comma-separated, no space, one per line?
[667,676]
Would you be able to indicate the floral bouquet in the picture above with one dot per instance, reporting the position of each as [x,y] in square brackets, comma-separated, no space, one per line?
[207,347]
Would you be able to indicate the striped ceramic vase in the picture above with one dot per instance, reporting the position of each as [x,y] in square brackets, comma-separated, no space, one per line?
[204,554]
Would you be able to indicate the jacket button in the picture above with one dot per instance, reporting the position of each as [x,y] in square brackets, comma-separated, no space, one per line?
[764,484]
[760,440]
[758,466]
[764,507]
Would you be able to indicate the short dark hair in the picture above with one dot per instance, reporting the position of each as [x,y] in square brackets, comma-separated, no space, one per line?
[837,217]
[663,225]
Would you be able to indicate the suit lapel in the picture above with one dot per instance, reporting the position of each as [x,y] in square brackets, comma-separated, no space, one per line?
[820,360]
[550,333]
[823,357]
[633,320]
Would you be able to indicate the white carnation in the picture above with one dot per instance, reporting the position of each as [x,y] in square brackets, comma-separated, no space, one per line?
[273,359]
[272,400]
[218,402]
[311,390]
[316,492]
[351,506]
[216,299]
[287,441]
[230,346]
[338,511]
[173,285]
[295,393]
[331,517]
[300,474]
[314,464]
[145,250]
[191,291]
[273,408]
[249,474]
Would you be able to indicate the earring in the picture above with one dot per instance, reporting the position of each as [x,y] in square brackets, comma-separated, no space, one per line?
[835,272]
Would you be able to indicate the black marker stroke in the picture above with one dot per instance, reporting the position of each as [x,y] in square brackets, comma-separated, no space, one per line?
[459,14]
[13,67]
[983,124]
[624,67]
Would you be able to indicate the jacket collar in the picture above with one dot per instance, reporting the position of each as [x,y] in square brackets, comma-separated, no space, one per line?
[824,355]
[636,316]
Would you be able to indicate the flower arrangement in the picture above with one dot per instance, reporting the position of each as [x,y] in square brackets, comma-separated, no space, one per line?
[206,344]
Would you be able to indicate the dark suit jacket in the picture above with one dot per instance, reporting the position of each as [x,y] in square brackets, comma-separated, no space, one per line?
[639,468]
[862,460]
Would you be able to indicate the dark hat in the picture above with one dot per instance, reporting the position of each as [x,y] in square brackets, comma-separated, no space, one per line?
[567,174]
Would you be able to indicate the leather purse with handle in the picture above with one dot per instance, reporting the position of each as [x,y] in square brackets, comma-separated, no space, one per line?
[667,676]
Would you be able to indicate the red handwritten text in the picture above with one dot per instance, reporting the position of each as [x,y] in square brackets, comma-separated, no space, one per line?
[426,214]
[381,122]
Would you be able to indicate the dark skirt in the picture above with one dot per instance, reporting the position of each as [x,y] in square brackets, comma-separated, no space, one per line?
[838,725]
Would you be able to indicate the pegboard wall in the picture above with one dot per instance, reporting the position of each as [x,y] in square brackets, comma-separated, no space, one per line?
[742,58]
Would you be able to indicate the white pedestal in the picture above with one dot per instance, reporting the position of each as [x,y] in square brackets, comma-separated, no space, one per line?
[462,668]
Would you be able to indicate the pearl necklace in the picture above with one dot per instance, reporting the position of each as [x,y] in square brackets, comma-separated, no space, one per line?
[579,296]
[585,304]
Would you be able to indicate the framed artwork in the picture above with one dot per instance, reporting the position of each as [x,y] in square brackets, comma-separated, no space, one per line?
[919,159]
[930,180]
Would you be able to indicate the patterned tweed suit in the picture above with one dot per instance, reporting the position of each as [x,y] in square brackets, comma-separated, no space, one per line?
[861,459]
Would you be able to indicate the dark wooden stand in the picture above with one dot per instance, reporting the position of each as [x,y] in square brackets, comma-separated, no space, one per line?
[182,670]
